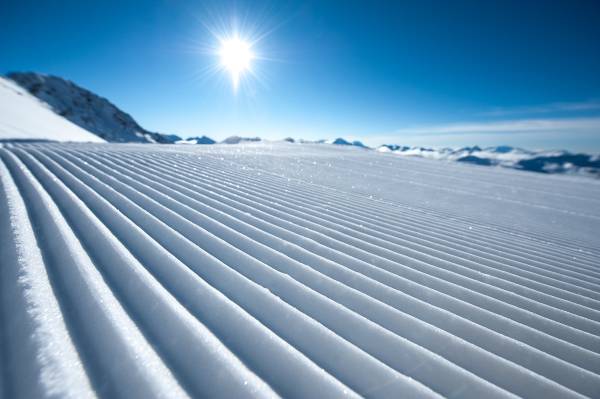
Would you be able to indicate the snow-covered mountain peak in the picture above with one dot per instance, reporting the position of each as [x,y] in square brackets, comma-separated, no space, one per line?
[86,109]
[23,117]
[197,140]
[238,140]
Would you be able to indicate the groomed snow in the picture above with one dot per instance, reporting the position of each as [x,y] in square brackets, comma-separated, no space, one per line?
[293,270]
[24,117]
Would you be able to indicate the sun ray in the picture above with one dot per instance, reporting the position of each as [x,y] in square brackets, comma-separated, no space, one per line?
[236,47]
[236,56]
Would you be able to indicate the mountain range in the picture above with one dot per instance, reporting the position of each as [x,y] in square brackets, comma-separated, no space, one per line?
[508,157]
[38,107]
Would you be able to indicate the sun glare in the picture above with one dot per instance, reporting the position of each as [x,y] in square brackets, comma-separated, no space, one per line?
[236,57]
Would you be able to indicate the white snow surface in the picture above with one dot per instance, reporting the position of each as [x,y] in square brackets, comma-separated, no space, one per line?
[86,109]
[275,269]
[24,117]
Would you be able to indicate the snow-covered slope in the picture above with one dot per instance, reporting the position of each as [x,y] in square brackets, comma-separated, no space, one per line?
[24,117]
[266,270]
[87,110]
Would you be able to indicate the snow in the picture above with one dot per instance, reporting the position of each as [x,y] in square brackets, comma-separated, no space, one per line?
[43,349]
[275,269]
[86,109]
[24,117]
[562,162]
[341,141]
[238,140]
[44,107]
[196,140]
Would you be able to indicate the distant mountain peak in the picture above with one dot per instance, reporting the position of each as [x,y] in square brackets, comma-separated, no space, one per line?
[342,141]
[197,140]
[238,140]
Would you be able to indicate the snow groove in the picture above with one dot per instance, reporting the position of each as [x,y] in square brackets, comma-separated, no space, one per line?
[146,271]
[556,279]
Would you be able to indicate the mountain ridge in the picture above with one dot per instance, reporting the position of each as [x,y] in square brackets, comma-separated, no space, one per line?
[86,109]
[100,117]
[556,161]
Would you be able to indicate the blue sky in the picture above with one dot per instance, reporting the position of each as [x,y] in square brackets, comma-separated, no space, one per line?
[407,72]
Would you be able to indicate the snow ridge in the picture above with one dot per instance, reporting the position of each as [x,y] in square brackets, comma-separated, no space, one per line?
[147,271]
[23,117]
[87,110]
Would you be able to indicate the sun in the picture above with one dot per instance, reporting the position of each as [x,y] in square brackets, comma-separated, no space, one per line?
[236,49]
[236,57]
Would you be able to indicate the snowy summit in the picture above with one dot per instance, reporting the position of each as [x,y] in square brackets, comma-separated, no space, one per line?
[87,110]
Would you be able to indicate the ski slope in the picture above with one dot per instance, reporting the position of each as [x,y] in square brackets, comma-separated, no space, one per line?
[24,117]
[292,270]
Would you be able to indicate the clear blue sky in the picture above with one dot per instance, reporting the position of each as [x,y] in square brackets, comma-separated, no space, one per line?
[407,72]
